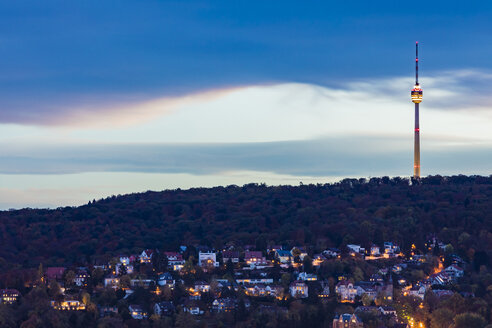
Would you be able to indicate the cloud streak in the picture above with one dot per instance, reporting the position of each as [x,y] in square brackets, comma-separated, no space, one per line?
[354,156]
[277,133]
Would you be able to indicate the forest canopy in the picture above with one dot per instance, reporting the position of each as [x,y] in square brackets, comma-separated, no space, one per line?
[456,209]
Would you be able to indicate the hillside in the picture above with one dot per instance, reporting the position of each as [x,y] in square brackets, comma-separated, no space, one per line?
[458,209]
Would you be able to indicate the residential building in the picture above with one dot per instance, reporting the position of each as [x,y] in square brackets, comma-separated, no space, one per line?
[375,250]
[325,292]
[416,291]
[230,256]
[111,281]
[121,269]
[346,291]
[366,288]
[137,312]
[391,249]
[298,289]
[254,258]
[254,281]
[224,305]
[207,259]
[307,276]
[68,305]
[301,250]
[192,307]
[347,321]
[387,310]
[283,256]
[146,256]
[166,279]
[9,296]
[164,308]
[202,286]
[81,278]
[454,271]
[175,260]
[355,249]
[145,283]
[332,252]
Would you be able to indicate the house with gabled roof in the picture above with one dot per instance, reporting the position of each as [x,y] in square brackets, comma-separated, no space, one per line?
[146,256]
[346,291]
[298,289]
[164,308]
[137,312]
[387,310]
[283,256]
[347,321]
[454,271]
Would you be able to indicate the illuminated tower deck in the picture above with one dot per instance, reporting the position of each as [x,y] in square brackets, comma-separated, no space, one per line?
[416,94]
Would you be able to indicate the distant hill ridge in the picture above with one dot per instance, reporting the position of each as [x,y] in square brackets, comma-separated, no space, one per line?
[350,211]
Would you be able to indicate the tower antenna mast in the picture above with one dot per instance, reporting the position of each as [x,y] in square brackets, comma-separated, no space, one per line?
[416,95]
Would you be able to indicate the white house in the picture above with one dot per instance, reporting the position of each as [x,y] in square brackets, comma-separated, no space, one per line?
[166,279]
[454,271]
[375,250]
[331,252]
[207,259]
[193,308]
[137,312]
[390,248]
[354,248]
[346,291]
[175,260]
[111,281]
[254,281]
[307,276]
[387,310]
[146,256]
[364,288]
[416,291]
[283,256]
[202,286]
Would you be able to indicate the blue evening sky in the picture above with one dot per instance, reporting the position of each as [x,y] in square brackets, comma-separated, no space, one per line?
[59,51]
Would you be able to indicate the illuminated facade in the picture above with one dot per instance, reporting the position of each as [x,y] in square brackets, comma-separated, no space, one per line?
[347,321]
[207,259]
[298,289]
[416,95]
[137,312]
[8,296]
[68,305]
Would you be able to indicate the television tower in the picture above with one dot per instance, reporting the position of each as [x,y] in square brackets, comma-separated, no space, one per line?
[416,94]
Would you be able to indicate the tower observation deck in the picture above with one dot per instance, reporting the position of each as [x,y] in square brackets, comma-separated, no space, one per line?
[416,95]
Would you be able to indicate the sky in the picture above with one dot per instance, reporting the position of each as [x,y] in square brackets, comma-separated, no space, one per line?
[111,97]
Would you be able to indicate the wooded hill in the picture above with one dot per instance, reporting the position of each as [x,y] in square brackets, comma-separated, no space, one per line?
[457,209]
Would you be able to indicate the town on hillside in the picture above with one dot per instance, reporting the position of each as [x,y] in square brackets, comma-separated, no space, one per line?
[354,286]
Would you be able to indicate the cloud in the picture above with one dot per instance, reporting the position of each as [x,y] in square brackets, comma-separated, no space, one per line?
[289,130]
[51,177]
[326,157]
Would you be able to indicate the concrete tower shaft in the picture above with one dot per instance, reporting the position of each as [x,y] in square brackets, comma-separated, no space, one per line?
[416,95]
